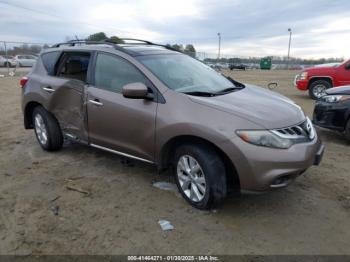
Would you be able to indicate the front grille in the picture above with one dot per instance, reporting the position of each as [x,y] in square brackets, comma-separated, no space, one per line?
[301,131]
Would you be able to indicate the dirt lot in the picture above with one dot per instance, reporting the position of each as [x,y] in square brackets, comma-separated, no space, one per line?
[120,214]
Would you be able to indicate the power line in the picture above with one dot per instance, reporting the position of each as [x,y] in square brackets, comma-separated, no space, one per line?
[58,17]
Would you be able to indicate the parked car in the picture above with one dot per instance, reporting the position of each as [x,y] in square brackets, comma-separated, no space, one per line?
[26,60]
[7,61]
[237,67]
[318,79]
[216,67]
[332,111]
[156,105]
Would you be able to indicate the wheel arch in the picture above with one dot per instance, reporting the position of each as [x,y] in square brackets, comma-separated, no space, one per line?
[28,112]
[168,150]
[316,78]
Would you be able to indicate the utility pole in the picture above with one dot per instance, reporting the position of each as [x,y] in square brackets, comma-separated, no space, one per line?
[219,35]
[7,64]
[290,40]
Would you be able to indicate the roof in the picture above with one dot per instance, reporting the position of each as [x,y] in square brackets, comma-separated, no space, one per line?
[140,48]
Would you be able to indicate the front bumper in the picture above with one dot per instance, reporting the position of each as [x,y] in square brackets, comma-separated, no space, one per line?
[331,115]
[263,169]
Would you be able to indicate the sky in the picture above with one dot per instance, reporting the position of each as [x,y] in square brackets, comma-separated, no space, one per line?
[320,28]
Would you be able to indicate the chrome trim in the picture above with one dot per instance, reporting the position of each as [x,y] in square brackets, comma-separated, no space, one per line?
[295,79]
[50,90]
[121,153]
[95,102]
[71,136]
[302,130]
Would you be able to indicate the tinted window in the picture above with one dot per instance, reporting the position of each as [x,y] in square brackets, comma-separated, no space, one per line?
[112,73]
[74,66]
[49,60]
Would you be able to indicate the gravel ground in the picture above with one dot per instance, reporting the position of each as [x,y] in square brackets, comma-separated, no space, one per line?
[119,212]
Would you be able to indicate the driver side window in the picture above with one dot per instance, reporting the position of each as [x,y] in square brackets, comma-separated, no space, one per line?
[112,73]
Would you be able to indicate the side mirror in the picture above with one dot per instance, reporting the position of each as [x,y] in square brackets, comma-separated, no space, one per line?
[272,85]
[135,91]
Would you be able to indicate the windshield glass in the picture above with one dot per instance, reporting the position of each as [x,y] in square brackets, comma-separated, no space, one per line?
[185,74]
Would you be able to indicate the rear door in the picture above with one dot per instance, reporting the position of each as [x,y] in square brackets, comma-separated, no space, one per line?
[115,122]
[64,90]
[22,61]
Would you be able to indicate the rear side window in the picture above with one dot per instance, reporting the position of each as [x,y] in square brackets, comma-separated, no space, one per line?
[49,60]
[112,73]
[74,65]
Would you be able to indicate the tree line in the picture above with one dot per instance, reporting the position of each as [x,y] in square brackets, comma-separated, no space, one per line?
[188,49]
[101,36]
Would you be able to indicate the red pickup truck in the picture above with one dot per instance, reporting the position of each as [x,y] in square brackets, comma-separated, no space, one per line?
[318,79]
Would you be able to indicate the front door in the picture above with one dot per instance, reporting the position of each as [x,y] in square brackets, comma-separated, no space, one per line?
[115,122]
[343,74]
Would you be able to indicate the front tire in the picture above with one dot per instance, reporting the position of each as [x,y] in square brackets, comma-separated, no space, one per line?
[318,89]
[47,130]
[200,176]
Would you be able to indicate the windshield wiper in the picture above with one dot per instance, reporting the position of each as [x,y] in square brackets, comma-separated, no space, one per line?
[236,83]
[200,93]
[227,90]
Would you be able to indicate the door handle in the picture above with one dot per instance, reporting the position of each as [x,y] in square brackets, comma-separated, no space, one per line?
[49,89]
[95,102]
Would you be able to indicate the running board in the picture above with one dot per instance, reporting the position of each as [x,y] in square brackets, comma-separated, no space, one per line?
[121,153]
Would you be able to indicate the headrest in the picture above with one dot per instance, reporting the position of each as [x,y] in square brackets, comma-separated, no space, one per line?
[73,67]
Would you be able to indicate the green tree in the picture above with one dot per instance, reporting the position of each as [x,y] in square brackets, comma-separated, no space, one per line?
[178,47]
[190,50]
[116,40]
[97,37]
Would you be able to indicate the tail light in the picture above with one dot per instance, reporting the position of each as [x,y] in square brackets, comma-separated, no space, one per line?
[23,81]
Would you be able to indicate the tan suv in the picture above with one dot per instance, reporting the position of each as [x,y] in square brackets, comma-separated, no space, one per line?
[148,102]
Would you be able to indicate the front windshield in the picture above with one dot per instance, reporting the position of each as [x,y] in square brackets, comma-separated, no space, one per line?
[185,74]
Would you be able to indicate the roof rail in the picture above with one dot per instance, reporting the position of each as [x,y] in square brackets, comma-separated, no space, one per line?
[87,42]
[111,43]
[148,43]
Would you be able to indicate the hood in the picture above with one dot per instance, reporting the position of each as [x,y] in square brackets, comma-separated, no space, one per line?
[263,107]
[327,70]
[343,90]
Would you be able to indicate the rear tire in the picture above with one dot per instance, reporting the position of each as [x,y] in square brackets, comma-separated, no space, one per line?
[202,181]
[347,131]
[47,129]
[318,88]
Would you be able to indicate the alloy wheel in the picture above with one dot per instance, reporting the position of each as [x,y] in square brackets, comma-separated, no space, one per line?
[40,129]
[319,91]
[191,178]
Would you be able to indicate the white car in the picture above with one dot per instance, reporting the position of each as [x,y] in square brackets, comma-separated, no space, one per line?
[7,60]
[26,60]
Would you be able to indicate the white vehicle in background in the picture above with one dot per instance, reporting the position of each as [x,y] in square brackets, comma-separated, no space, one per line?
[7,61]
[26,60]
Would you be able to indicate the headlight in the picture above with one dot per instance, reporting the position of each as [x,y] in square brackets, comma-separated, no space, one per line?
[303,76]
[335,98]
[264,138]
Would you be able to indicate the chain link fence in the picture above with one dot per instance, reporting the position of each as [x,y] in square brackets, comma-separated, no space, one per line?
[233,61]
[16,58]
